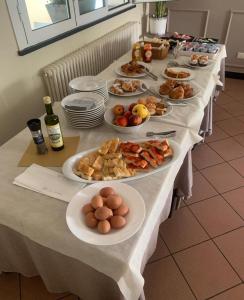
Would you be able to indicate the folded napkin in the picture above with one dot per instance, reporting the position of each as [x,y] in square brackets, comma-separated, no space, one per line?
[48,182]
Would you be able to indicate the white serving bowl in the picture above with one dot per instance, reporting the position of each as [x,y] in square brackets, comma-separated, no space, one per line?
[109,117]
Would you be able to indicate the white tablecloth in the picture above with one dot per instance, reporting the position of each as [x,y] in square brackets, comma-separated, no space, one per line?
[42,219]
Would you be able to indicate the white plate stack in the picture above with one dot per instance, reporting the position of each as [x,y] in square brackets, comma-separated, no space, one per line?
[90,84]
[84,110]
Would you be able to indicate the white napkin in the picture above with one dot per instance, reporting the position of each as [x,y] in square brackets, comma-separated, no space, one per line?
[48,182]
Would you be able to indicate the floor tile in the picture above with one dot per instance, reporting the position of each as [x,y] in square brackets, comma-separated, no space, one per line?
[216,216]
[232,246]
[160,252]
[223,177]
[220,114]
[182,231]
[203,156]
[224,98]
[35,286]
[241,118]
[218,134]
[238,165]
[236,200]
[235,293]
[231,126]
[70,297]
[163,280]
[234,88]
[234,108]
[228,149]
[201,189]
[9,286]
[240,139]
[194,169]
[206,270]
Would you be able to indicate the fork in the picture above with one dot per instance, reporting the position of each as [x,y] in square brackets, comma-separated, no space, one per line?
[164,134]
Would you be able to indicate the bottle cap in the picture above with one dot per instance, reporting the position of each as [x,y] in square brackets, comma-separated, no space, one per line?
[34,124]
[47,100]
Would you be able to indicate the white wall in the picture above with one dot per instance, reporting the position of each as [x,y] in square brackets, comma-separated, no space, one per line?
[21,87]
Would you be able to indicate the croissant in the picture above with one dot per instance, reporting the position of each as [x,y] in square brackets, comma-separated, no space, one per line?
[177,93]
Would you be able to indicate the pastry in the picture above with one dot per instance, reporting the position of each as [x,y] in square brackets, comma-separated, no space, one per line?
[177,93]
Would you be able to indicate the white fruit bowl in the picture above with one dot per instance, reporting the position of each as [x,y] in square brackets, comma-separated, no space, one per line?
[109,118]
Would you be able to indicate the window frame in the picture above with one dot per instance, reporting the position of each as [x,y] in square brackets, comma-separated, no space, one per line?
[29,40]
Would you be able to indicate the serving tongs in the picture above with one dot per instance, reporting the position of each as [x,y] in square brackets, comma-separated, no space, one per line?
[150,74]
[171,133]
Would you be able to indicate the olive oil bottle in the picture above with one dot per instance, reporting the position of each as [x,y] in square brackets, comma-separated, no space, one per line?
[53,126]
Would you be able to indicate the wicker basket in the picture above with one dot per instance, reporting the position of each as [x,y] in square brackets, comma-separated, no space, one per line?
[158,51]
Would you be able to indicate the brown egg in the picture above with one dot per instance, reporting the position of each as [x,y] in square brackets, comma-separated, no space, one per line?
[97,201]
[117,222]
[87,208]
[122,210]
[114,201]
[90,220]
[104,226]
[106,191]
[103,213]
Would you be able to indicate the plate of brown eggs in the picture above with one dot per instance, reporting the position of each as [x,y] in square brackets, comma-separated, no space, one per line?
[102,214]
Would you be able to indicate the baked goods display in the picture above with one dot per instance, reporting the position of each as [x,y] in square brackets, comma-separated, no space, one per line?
[115,159]
[122,86]
[176,90]
[107,210]
[171,72]
[199,60]
[133,115]
[132,68]
[154,105]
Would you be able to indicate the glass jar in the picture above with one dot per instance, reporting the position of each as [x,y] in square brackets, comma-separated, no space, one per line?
[147,57]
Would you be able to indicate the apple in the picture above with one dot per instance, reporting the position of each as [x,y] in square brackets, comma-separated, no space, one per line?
[131,106]
[127,114]
[135,120]
[118,110]
[121,121]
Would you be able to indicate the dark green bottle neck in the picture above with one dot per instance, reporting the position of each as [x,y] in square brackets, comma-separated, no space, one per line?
[49,109]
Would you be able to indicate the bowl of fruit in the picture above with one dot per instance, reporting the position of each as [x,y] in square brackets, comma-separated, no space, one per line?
[127,119]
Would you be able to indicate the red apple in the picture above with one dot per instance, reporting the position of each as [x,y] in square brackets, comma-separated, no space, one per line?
[135,120]
[118,110]
[121,121]
[131,106]
[127,114]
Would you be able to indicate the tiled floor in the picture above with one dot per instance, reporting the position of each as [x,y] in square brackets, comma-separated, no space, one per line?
[200,251]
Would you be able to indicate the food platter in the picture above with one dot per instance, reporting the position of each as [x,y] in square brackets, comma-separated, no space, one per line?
[119,72]
[138,91]
[70,163]
[178,70]
[168,112]
[76,223]
[196,92]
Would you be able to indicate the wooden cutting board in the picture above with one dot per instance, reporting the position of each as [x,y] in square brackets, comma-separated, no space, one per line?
[52,158]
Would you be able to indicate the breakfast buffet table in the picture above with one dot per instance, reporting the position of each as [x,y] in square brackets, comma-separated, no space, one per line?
[34,237]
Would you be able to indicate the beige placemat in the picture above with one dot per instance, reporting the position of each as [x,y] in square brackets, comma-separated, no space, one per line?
[52,158]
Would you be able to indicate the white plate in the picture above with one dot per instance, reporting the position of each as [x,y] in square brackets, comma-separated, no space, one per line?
[127,94]
[70,163]
[135,218]
[87,83]
[156,117]
[179,69]
[119,71]
[196,92]
[210,62]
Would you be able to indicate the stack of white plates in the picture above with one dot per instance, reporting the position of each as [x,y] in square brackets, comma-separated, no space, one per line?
[90,84]
[84,110]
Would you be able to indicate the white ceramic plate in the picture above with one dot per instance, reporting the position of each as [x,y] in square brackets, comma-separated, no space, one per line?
[87,83]
[76,221]
[69,164]
[118,70]
[210,62]
[127,94]
[196,92]
[169,111]
[179,69]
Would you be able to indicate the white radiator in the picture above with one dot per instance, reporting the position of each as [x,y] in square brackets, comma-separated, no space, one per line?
[91,59]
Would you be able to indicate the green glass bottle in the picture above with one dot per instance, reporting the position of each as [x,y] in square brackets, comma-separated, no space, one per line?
[53,126]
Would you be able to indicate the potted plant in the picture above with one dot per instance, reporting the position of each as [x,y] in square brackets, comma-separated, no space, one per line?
[158,20]
[57,10]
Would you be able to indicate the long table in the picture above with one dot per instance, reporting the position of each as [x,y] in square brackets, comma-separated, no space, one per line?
[35,224]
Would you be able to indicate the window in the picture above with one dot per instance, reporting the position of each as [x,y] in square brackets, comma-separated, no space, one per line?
[38,22]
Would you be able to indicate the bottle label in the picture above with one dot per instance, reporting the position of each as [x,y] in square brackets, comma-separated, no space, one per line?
[55,136]
[37,137]
[148,55]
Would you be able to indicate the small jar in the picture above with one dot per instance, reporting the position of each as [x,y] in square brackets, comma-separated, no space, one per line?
[35,128]
[136,52]
[147,57]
